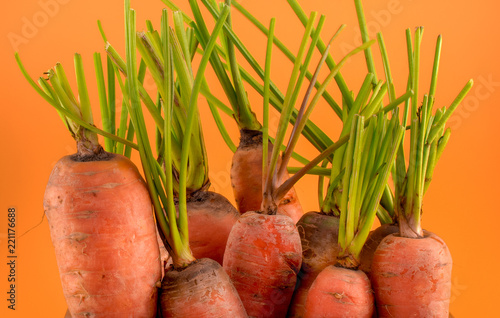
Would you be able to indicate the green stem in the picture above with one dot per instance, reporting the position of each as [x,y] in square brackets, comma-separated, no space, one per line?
[265,127]
[365,38]
[190,120]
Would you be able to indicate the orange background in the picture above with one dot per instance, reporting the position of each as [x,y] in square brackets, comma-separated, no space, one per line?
[461,203]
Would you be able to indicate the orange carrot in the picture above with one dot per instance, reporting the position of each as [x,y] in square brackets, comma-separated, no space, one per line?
[318,234]
[99,209]
[202,289]
[104,236]
[210,219]
[246,178]
[372,242]
[412,277]
[262,259]
[340,292]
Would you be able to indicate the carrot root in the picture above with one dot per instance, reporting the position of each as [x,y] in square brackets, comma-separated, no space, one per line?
[372,242]
[210,220]
[340,292]
[200,290]
[319,235]
[412,277]
[104,237]
[263,257]
[246,178]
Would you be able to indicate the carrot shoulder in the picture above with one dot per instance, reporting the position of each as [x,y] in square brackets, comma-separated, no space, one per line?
[104,236]
[372,242]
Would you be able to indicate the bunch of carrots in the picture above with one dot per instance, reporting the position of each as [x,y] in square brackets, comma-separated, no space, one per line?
[160,244]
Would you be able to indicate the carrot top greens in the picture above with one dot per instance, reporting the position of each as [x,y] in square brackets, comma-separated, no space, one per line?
[365,168]
[75,109]
[231,75]
[428,135]
[175,172]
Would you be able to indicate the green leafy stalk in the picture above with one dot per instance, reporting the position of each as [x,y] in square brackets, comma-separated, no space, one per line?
[103,102]
[365,38]
[427,140]
[66,105]
[311,132]
[265,126]
[234,90]
[191,116]
[269,206]
[362,186]
[321,47]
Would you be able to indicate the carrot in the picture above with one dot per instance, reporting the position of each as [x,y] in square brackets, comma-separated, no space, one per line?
[105,270]
[210,220]
[422,262]
[412,277]
[340,292]
[263,253]
[246,178]
[246,171]
[262,259]
[192,291]
[99,212]
[318,235]
[372,242]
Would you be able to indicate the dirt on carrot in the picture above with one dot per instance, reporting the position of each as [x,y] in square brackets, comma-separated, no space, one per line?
[319,235]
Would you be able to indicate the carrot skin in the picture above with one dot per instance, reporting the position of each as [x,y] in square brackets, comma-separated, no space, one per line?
[246,172]
[340,292]
[210,220]
[290,204]
[319,235]
[412,277]
[200,290]
[104,236]
[246,178]
[372,242]
[263,256]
